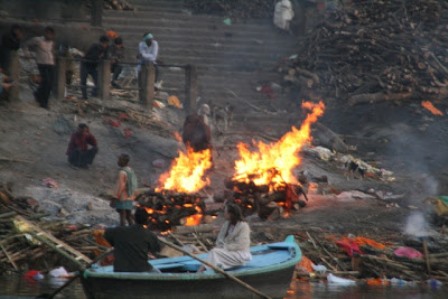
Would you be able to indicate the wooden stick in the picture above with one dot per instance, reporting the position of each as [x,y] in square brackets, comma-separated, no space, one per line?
[200,242]
[219,270]
[9,258]
[426,254]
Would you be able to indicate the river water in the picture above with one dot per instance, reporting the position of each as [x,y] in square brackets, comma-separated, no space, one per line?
[18,288]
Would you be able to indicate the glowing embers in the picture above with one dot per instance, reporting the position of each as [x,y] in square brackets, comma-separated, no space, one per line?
[168,209]
[431,108]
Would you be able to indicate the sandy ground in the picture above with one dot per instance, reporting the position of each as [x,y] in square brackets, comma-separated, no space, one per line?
[401,138]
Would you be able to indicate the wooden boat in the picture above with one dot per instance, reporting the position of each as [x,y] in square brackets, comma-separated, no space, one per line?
[269,271]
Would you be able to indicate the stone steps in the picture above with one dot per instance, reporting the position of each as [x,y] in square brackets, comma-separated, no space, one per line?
[230,59]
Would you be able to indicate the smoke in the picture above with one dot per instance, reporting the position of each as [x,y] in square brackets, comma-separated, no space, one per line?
[416,225]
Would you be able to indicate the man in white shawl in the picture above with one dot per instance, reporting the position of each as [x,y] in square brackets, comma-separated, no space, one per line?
[233,243]
[283,14]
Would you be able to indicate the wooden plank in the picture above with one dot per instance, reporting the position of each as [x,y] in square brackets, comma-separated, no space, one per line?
[53,242]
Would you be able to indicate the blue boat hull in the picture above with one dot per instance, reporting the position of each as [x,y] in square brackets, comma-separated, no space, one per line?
[270,272]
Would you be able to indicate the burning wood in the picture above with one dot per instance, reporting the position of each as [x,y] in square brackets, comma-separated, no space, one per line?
[430,107]
[167,209]
[264,182]
[187,173]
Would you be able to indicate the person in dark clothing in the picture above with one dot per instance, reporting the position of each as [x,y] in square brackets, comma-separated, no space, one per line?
[43,46]
[196,133]
[132,244]
[116,56]
[10,43]
[78,151]
[89,65]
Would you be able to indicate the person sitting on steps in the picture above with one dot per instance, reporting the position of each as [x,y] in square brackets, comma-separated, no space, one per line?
[78,151]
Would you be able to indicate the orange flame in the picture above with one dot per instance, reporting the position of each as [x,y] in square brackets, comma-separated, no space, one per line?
[272,164]
[430,107]
[187,172]
[193,220]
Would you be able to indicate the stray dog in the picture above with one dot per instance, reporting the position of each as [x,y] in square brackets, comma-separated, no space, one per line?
[353,169]
[222,117]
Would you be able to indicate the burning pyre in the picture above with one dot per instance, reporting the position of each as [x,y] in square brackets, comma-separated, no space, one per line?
[176,201]
[264,181]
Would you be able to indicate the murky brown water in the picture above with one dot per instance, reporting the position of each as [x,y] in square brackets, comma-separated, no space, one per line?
[18,288]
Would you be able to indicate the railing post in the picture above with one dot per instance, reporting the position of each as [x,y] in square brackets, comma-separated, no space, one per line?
[14,74]
[104,80]
[148,77]
[191,88]
[61,79]
[97,13]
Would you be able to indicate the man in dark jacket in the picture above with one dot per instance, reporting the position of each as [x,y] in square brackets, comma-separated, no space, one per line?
[89,65]
[116,56]
[78,151]
[132,245]
[10,43]
[196,133]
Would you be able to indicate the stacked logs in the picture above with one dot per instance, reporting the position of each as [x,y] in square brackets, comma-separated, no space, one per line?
[233,8]
[167,209]
[383,50]
[265,201]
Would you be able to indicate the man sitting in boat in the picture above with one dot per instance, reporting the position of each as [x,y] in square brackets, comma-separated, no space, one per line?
[132,244]
[233,242]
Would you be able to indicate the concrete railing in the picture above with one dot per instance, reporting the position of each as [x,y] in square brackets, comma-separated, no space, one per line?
[146,89]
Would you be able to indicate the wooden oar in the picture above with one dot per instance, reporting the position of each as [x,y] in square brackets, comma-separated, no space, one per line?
[72,279]
[217,269]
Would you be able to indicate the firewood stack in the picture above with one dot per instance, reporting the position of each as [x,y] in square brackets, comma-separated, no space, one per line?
[376,51]
[168,209]
[265,202]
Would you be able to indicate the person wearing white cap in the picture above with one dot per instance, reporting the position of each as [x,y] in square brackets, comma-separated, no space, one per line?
[148,50]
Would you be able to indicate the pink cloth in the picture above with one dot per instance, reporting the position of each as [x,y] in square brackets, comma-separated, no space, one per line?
[408,252]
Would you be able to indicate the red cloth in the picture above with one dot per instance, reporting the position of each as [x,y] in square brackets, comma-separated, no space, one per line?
[81,142]
[349,246]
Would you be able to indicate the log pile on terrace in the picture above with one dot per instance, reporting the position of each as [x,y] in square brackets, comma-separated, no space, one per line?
[375,51]
[266,201]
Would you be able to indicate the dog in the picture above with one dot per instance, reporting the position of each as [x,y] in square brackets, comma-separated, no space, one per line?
[222,117]
[219,118]
[353,169]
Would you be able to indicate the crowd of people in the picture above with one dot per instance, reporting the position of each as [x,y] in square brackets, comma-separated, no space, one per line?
[43,50]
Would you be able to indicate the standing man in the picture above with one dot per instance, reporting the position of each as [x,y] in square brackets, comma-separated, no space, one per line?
[132,245]
[10,43]
[78,151]
[89,65]
[196,133]
[116,56]
[125,191]
[43,46]
[148,51]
